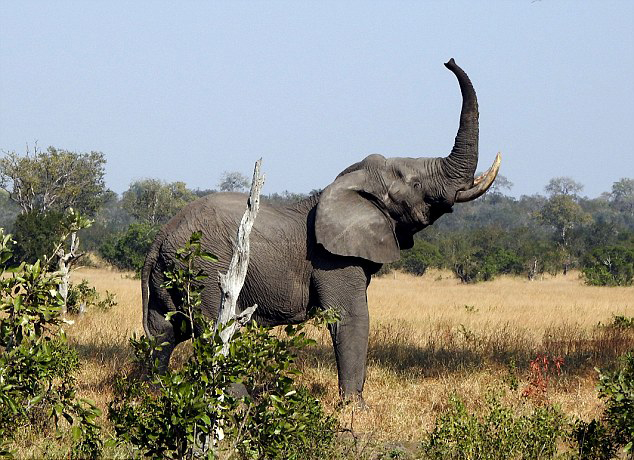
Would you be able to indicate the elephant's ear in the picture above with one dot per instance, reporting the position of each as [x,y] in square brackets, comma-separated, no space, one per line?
[350,223]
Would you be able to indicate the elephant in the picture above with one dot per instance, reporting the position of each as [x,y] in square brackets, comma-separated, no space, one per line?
[321,252]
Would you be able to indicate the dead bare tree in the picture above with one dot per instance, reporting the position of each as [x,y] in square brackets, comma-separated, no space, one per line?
[231,282]
[229,320]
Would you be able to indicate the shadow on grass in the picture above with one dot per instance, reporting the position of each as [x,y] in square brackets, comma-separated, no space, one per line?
[455,350]
[104,353]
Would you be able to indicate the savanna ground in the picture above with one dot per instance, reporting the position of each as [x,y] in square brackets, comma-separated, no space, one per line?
[430,337]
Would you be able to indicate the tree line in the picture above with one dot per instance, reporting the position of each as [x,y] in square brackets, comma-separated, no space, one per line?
[498,234]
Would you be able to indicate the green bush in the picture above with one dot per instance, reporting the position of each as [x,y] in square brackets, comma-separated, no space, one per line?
[193,410]
[603,438]
[37,235]
[37,367]
[127,250]
[484,265]
[499,434]
[420,257]
[609,266]
[82,296]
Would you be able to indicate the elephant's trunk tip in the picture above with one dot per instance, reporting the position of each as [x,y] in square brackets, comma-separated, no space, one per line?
[450,64]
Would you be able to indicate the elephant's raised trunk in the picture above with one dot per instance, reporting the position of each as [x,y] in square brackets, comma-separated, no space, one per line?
[461,163]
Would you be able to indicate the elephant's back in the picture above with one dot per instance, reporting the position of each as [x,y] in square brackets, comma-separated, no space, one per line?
[221,213]
[216,216]
[277,278]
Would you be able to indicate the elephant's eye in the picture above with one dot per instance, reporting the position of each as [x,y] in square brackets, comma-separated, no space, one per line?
[417,185]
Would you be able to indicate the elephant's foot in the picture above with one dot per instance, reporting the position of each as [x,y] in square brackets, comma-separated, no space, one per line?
[354,399]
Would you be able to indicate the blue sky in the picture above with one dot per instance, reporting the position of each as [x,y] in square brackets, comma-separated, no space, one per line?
[187,90]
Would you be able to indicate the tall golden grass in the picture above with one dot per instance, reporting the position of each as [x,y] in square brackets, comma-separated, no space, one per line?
[430,337]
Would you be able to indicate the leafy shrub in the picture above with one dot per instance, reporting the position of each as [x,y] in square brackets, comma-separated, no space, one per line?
[82,296]
[37,367]
[602,438]
[482,265]
[420,257]
[37,235]
[127,250]
[623,322]
[193,411]
[609,266]
[499,434]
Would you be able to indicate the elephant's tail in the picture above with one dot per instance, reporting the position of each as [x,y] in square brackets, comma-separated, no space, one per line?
[150,262]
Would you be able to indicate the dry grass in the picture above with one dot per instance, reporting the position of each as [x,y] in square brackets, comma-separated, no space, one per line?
[430,337]
[102,337]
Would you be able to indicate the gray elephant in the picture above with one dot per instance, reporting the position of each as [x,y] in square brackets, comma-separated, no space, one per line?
[321,252]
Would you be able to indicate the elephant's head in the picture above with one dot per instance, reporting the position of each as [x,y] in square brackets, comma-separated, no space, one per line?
[374,207]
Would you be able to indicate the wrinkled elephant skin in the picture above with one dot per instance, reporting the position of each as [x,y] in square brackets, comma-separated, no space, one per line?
[320,253]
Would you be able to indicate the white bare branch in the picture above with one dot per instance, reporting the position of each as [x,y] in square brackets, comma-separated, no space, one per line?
[231,282]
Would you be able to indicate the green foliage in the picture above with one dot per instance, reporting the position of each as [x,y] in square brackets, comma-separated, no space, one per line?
[82,296]
[55,180]
[499,434]
[154,201]
[563,186]
[609,266]
[8,209]
[563,213]
[127,250]
[420,257]
[602,439]
[274,419]
[623,322]
[37,367]
[617,388]
[480,255]
[37,235]
[286,198]
[622,196]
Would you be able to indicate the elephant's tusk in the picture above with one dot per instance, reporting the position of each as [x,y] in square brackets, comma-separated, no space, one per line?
[481,184]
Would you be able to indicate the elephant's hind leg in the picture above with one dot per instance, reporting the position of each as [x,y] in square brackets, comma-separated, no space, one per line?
[162,331]
[168,332]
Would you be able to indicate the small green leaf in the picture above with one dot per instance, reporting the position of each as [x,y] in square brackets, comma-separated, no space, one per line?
[36,400]
[169,315]
[208,257]
[76,431]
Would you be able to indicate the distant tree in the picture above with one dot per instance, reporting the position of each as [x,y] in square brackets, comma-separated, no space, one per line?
[233,182]
[111,219]
[563,186]
[9,209]
[155,201]
[55,180]
[501,184]
[564,214]
[622,196]
[36,235]
[419,258]
[128,249]
[609,266]
[285,198]
[200,192]
[151,202]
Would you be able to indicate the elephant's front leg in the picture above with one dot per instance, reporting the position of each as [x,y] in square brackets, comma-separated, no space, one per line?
[344,290]
[350,340]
